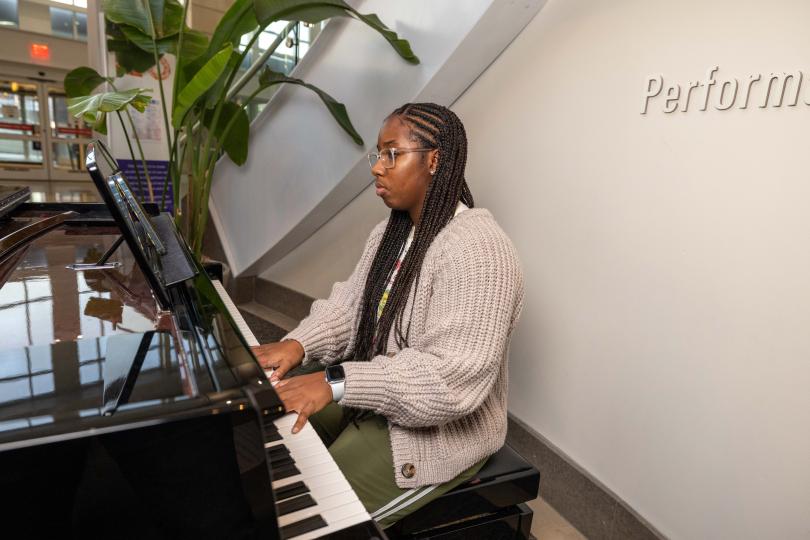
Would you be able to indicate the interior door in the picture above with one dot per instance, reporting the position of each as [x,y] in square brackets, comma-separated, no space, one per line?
[23,152]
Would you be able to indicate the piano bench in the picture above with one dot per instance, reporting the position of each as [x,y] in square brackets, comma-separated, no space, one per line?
[491,505]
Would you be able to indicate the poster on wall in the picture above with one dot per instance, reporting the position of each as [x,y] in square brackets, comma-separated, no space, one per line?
[152,190]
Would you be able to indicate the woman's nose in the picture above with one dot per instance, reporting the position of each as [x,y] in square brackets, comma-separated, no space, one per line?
[378,169]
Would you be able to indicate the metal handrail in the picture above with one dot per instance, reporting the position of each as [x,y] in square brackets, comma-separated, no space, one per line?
[255,66]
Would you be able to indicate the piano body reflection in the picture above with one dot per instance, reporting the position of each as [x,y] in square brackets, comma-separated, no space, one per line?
[131,405]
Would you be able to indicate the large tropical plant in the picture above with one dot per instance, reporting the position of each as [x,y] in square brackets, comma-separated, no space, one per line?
[206,120]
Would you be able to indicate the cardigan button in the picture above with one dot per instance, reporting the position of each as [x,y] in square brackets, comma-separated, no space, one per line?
[390,354]
[408,470]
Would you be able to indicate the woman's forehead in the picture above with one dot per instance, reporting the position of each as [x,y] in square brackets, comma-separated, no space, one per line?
[393,132]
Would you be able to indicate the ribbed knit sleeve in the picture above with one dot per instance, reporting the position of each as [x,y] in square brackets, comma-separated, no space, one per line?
[327,333]
[477,294]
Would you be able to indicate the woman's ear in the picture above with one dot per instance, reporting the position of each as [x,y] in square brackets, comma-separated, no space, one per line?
[434,161]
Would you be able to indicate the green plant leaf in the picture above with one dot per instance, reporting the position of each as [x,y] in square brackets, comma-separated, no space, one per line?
[105,102]
[213,95]
[127,12]
[204,79]
[172,18]
[194,44]
[167,15]
[129,57]
[268,78]
[82,81]
[235,140]
[314,11]
[97,121]
[235,23]
[145,43]
[402,46]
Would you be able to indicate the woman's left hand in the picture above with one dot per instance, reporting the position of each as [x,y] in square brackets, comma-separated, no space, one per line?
[304,394]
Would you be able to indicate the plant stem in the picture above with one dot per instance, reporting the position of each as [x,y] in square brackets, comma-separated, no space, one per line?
[172,174]
[153,36]
[132,153]
[175,173]
[143,158]
[179,56]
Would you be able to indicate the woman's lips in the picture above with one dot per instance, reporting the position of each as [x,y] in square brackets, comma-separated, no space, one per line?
[380,190]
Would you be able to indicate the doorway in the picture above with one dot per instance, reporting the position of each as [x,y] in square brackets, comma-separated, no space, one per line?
[39,138]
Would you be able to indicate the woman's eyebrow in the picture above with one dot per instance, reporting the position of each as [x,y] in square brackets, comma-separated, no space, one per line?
[386,143]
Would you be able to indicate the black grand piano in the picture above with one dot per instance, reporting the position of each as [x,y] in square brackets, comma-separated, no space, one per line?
[130,403]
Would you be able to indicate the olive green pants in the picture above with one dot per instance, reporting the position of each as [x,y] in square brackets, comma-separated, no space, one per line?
[363,453]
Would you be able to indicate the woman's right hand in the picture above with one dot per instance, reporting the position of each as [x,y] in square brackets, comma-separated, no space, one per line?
[281,357]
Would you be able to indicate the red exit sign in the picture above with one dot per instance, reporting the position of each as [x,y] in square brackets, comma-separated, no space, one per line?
[39,51]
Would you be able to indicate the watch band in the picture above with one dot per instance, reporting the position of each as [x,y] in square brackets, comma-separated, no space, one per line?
[338,388]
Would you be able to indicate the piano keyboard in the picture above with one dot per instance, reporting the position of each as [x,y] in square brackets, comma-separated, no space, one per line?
[313,498]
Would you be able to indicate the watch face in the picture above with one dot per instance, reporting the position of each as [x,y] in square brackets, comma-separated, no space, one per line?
[335,373]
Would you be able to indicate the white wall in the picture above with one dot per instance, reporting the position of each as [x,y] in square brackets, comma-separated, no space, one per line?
[665,345]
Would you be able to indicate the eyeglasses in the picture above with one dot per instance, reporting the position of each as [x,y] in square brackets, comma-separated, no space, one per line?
[388,156]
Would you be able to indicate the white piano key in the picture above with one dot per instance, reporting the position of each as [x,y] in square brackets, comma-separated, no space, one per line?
[323,468]
[237,317]
[329,515]
[328,476]
[305,462]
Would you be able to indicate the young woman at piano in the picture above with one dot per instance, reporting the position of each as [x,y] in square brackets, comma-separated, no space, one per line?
[414,400]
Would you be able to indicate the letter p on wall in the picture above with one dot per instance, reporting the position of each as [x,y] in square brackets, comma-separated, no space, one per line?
[654,86]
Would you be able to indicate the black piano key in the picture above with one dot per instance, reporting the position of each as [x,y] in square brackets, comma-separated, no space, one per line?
[277,451]
[296,488]
[304,526]
[295,504]
[281,462]
[285,472]
[272,436]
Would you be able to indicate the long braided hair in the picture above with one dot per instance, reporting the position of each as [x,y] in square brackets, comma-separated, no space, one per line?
[432,126]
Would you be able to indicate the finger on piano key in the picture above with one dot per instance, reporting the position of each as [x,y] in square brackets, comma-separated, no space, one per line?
[269,373]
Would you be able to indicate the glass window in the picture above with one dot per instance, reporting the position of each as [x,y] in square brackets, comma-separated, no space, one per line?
[88,349]
[41,317]
[81,26]
[62,22]
[19,108]
[38,288]
[15,331]
[42,384]
[89,373]
[13,363]
[20,152]
[13,292]
[9,14]
[69,157]
[14,389]
[40,358]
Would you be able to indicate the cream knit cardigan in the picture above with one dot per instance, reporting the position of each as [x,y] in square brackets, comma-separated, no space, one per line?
[445,395]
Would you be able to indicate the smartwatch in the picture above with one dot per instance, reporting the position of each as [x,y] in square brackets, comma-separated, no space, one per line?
[336,377]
